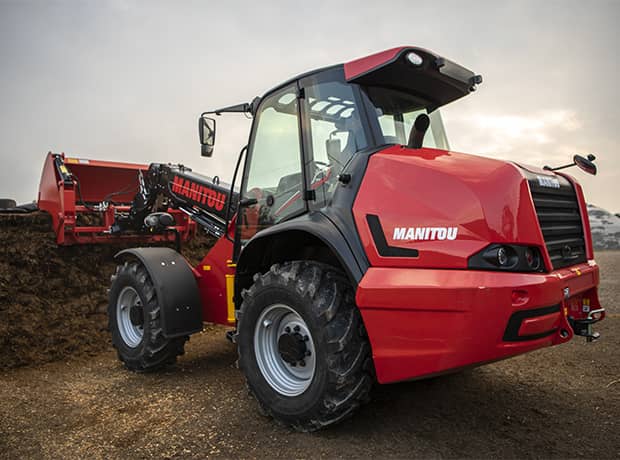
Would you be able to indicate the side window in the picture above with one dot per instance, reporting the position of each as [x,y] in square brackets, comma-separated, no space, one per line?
[274,176]
[396,113]
[429,138]
[396,131]
[335,134]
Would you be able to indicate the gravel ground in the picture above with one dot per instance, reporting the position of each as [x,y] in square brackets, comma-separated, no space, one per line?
[558,402]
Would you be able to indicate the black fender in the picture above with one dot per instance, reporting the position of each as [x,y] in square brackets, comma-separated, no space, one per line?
[176,288]
[316,224]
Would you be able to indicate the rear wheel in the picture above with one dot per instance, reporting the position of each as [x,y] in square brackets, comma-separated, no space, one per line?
[302,345]
[135,323]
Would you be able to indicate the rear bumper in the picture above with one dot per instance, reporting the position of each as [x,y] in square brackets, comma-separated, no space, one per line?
[423,322]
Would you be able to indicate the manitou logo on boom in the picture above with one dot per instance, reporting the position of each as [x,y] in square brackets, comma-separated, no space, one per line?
[199,193]
[425,233]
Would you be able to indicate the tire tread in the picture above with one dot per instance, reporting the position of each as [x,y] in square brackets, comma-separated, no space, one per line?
[349,364]
[157,351]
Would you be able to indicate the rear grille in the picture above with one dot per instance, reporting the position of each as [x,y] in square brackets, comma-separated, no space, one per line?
[558,214]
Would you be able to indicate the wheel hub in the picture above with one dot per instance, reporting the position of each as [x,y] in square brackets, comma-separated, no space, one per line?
[136,315]
[292,347]
[285,350]
[130,317]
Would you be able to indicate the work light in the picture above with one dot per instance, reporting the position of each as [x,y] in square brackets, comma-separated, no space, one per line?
[415,59]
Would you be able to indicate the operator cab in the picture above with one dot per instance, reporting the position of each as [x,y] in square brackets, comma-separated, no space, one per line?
[306,131]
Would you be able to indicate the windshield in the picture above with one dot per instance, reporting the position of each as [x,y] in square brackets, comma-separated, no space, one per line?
[396,112]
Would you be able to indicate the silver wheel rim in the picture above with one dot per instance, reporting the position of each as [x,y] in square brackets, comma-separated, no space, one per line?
[283,377]
[130,333]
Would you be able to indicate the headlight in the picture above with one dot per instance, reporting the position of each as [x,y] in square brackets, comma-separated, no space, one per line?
[502,256]
[507,257]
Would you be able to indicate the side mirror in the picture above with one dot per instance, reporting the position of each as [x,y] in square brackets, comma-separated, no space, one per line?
[206,134]
[585,164]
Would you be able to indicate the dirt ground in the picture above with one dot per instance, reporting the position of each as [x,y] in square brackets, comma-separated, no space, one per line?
[53,299]
[558,402]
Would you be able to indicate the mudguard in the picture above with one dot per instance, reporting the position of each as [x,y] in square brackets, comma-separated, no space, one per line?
[318,225]
[176,288]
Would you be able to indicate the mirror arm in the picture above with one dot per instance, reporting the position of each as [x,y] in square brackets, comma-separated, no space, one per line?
[585,164]
[239,108]
[549,168]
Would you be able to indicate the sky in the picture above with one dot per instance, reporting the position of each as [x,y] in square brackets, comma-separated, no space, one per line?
[126,80]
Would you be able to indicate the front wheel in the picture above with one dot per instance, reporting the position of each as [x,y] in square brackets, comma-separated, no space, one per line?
[302,345]
[135,322]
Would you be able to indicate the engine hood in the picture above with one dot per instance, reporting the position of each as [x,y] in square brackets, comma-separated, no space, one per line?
[435,208]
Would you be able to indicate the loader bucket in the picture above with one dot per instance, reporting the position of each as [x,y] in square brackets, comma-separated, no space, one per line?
[72,191]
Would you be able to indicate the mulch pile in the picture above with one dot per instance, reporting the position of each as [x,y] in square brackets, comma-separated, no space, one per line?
[53,299]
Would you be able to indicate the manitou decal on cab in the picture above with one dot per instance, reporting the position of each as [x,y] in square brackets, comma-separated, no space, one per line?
[425,233]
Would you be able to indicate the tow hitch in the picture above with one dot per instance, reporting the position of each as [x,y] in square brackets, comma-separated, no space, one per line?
[583,327]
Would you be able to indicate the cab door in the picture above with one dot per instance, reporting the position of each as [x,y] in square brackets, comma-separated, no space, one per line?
[273,184]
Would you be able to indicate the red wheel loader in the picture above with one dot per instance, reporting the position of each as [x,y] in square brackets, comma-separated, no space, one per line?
[353,245]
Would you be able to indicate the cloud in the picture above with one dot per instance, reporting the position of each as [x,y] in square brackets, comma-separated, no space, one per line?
[536,127]
[542,136]
[126,79]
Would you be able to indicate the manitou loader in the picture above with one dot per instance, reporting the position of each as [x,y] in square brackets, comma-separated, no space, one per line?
[353,245]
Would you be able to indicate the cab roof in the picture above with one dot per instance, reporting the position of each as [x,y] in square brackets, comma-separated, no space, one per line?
[415,71]
[409,69]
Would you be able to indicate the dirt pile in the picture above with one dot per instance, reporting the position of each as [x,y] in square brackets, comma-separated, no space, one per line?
[53,299]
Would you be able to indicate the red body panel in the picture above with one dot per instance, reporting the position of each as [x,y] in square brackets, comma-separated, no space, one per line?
[487,200]
[430,314]
[360,66]
[212,281]
[427,321]
[97,179]
[357,67]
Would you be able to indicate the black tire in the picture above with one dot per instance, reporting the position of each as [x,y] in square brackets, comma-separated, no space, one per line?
[153,351]
[322,296]
[7,203]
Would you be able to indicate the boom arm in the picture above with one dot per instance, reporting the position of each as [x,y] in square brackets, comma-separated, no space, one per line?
[205,200]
